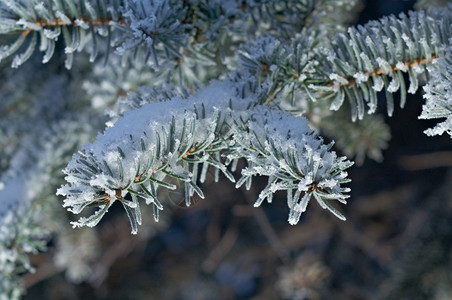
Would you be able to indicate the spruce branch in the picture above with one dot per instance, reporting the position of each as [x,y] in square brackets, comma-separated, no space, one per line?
[144,28]
[214,128]
[279,69]
[371,58]
[78,23]
[356,65]
[185,35]
[277,73]
[294,159]
[438,95]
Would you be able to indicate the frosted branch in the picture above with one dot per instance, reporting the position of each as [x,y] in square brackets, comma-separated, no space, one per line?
[131,160]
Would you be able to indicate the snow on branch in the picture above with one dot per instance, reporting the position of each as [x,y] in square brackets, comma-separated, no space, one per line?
[182,138]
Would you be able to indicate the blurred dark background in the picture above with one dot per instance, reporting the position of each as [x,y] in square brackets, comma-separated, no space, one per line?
[395,244]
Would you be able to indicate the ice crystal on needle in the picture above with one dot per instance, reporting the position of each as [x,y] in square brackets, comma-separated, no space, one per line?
[438,95]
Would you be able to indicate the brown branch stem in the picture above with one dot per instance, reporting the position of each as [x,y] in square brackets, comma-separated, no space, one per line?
[380,71]
[58,22]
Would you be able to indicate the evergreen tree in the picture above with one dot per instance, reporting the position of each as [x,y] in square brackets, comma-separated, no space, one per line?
[179,88]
